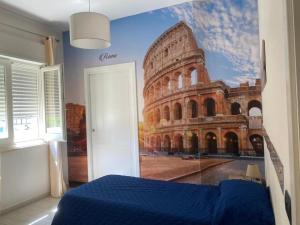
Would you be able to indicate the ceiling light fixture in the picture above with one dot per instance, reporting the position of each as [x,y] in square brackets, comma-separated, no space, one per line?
[89,30]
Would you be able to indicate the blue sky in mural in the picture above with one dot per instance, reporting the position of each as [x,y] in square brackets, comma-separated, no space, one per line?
[227,30]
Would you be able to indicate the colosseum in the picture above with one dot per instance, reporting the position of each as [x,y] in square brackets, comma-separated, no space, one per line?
[186,112]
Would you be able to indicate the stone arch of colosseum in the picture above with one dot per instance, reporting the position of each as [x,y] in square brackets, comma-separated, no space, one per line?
[157,116]
[254,104]
[211,142]
[166,85]
[166,114]
[192,143]
[257,143]
[177,111]
[167,143]
[232,145]
[192,109]
[178,142]
[235,108]
[210,106]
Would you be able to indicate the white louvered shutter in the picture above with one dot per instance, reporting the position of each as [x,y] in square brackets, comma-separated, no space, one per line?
[53,98]
[25,101]
[3,111]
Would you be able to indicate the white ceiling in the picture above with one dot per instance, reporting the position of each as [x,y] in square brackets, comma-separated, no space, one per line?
[57,12]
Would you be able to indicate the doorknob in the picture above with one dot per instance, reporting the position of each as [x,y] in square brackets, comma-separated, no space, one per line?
[93,130]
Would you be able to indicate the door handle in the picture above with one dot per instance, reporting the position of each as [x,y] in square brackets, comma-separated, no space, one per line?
[93,130]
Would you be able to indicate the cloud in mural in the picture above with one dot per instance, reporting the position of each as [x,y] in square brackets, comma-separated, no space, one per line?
[229,28]
[241,79]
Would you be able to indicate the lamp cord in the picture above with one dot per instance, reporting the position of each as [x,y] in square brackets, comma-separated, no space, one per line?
[89,5]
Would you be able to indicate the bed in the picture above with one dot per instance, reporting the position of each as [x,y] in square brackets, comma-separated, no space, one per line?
[121,200]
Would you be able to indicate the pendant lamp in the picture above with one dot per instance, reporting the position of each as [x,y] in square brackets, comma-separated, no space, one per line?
[89,30]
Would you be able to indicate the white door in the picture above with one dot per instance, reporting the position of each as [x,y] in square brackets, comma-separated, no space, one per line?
[112,120]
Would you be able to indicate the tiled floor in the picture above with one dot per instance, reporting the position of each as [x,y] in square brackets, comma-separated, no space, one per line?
[37,213]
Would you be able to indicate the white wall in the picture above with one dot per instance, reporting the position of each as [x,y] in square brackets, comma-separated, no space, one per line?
[18,37]
[24,175]
[273,29]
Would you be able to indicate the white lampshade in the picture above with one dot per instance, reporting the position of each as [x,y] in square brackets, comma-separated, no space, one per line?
[89,30]
[253,171]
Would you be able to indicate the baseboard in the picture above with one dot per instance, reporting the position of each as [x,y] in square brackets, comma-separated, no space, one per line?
[22,204]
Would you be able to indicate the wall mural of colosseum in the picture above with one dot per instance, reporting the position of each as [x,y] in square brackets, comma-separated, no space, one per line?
[199,92]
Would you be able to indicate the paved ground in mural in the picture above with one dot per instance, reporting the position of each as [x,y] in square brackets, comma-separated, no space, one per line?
[215,174]
[206,170]
[170,168]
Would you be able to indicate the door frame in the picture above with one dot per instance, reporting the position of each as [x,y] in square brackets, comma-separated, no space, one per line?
[131,66]
[293,103]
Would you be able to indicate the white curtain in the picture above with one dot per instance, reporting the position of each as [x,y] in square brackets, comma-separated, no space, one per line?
[50,50]
[57,164]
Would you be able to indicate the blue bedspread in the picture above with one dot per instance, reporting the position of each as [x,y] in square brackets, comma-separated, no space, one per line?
[120,200]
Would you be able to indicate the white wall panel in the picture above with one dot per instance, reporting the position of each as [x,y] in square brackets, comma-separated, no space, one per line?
[25,175]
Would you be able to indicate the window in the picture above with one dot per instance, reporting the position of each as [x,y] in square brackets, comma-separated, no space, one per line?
[53,101]
[3,120]
[25,101]
[30,102]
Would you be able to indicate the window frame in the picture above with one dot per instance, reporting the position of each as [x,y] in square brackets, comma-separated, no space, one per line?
[8,102]
[39,95]
[8,142]
[49,135]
